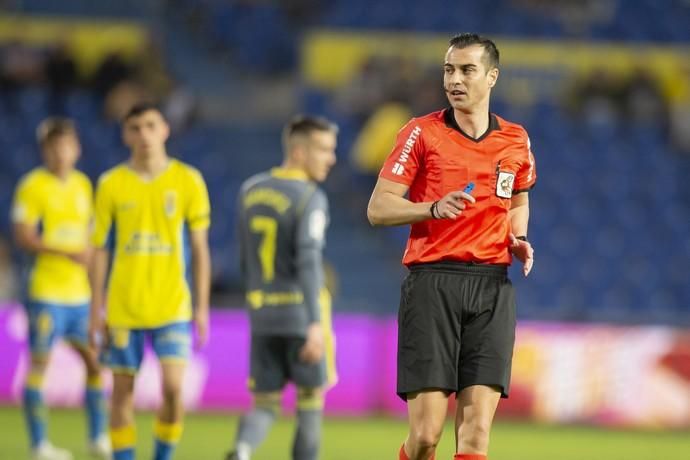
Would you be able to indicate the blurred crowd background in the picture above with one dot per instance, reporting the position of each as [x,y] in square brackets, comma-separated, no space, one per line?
[602,86]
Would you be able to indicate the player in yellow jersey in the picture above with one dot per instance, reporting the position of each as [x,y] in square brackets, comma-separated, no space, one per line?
[52,213]
[152,214]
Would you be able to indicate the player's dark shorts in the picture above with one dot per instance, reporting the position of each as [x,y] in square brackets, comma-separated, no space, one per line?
[275,361]
[456,327]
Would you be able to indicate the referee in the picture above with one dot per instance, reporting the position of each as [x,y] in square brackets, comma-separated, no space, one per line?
[460,177]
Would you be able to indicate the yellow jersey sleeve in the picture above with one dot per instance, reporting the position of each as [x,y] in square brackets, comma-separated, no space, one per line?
[198,212]
[103,213]
[26,208]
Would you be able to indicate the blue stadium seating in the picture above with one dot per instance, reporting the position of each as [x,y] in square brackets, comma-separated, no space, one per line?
[609,213]
[257,30]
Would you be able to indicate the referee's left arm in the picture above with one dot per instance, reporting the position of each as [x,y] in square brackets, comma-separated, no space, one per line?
[519,219]
[519,213]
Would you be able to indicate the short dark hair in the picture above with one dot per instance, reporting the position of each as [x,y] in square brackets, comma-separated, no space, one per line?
[53,127]
[141,107]
[464,40]
[305,125]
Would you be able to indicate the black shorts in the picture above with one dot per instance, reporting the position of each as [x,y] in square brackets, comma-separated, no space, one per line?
[456,328]
[275,361]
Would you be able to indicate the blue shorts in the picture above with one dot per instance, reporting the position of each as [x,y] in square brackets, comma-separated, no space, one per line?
[49,322]
[125,350]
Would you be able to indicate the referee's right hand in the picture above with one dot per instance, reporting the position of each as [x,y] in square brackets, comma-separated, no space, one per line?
[452,205]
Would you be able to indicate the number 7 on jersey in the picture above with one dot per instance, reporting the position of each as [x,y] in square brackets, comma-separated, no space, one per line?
[267,227]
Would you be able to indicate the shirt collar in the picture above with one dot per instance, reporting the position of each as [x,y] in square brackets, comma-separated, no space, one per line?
[453,124]
[289,174]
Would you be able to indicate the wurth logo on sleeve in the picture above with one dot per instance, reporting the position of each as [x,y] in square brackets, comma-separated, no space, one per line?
[398,167]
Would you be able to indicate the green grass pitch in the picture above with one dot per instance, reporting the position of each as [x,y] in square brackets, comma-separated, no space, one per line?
[208,436]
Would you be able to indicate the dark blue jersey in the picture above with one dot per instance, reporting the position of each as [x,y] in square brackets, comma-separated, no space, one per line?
[282,220]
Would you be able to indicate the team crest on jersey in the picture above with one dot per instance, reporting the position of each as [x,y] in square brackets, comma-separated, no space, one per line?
[170,203]
[504,184]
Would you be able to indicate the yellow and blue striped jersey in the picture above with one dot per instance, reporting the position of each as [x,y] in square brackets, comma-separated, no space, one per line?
[63,210]
[145,225]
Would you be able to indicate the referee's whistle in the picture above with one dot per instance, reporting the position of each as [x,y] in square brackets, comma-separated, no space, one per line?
[468,188]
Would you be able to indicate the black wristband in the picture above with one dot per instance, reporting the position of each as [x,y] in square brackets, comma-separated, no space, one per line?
[522,238]
[433,210]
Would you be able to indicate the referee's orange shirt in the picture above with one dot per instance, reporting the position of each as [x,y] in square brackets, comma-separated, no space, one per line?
[434,157]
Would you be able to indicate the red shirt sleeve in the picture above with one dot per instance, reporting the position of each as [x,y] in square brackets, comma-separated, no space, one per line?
[403,162]
[527,174]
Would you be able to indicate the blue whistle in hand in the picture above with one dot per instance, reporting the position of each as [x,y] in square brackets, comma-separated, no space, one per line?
[468,189]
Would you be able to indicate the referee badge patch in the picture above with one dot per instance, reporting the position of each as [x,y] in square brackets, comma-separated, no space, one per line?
[504,184]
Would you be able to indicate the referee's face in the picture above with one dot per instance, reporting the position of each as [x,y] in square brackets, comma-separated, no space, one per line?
[466,79]
[320,154]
